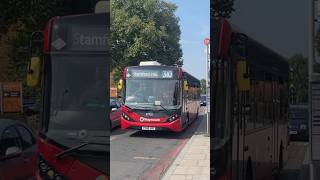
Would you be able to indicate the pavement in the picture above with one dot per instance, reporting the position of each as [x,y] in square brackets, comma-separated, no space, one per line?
[295,167]
[148,154]
[193,162]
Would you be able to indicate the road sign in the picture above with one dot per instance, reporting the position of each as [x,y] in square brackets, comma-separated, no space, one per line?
[206,41]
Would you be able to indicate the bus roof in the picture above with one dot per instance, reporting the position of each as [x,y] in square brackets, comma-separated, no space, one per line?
[265,58]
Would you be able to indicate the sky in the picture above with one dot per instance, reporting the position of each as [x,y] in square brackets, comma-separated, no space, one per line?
[195,27]
[280,25]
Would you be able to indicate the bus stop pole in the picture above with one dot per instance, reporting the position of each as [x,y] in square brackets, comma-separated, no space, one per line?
[208,87]
[310,73]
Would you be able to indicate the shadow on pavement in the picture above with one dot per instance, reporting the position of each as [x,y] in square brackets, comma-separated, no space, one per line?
[196,127]
[118,131]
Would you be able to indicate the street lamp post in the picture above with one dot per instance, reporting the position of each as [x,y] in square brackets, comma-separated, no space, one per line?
[207,44]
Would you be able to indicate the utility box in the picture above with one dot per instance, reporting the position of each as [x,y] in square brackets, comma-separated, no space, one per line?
[11,97]
[113,93]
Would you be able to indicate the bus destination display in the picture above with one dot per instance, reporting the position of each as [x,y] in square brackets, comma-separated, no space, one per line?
[88,38]
[136,73]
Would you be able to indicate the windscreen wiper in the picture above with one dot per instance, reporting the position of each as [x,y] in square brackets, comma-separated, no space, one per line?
[164,108]
[72,149]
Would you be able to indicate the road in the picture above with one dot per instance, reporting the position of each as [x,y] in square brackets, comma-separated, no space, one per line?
[147,154]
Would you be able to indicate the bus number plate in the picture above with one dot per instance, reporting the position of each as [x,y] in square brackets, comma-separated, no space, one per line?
[293,132]
[149,128]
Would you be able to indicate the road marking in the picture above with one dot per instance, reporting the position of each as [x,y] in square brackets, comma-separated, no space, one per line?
[126,133]
[144,158]
[164,162]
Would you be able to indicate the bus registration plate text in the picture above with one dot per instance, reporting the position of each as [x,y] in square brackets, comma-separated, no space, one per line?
[293,132]
[149,128]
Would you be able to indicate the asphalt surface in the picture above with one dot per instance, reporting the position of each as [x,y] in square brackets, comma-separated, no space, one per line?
[147,154]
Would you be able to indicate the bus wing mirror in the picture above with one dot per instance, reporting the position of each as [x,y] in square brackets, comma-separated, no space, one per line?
[120,85]
[33,74]
[243,80]
[185,85]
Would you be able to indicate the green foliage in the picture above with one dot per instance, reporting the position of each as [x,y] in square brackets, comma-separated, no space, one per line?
[140,30]
[299,77]
[35,13]
[203,86]
[221,8]
[143,30]
[30,16]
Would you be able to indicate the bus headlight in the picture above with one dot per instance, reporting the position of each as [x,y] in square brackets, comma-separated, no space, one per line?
[172,118]
[126,117]
[43,167]
[47,171]
[51,174]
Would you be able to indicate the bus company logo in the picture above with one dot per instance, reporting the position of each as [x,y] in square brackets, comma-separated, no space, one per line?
[58,44]
[143,119]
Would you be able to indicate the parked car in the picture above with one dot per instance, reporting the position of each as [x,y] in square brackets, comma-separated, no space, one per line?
[115,112]
[298,122]
[203,100]
[18,152]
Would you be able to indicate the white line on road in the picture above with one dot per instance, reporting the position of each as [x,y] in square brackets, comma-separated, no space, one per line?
[144,158]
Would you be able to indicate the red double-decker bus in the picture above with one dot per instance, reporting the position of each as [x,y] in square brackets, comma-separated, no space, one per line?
[249,103]
[158,97]
[73,141]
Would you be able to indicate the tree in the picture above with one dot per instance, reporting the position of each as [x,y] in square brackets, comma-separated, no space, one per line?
[29,16]
[203,86]
[299,77]
[143,30]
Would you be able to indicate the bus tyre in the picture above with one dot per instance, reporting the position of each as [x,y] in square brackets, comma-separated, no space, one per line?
[249,171]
